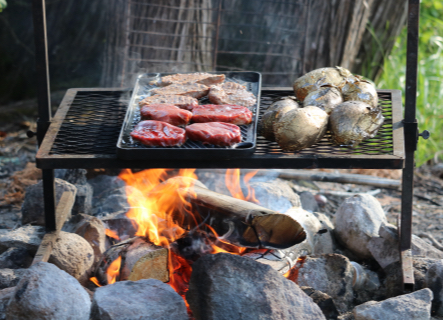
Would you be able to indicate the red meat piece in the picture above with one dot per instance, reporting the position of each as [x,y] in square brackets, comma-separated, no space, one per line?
[157,133]
[166,113]
[217,133]
[229,113]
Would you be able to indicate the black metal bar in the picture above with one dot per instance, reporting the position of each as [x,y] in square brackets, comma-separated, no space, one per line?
[217,31]
[411,135]
[49,199]
[42,68]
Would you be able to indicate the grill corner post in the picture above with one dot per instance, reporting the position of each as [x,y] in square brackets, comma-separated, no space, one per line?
[411,137]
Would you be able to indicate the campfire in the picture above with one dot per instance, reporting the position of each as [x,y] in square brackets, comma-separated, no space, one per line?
[162,242]
[178,220]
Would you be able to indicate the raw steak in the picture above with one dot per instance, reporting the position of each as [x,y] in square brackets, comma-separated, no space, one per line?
[166,113]
[158,133]
[217,133]
[182,102]
[222,113]
[198,77]
[231,93]
[194,90]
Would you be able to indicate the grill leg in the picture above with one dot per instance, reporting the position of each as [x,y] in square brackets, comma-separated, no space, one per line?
[405,227]
[49,199]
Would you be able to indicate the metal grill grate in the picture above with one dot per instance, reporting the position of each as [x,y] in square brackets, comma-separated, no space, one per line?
[94,119]
[382,143]
[92,124]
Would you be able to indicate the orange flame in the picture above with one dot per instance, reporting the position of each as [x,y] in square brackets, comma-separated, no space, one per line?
[113,270]
[95,281]
[292,274]
[112,234]
[158,204]
[232,180]
[162,213]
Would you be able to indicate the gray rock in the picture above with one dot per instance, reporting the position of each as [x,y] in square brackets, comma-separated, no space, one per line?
[5,296]
[91,229]
[27,237]
[420,248]
[434,281]
[384,248]
[413,306]
[366,284]
[393,276]
[32,208]
[317,242]
[75,176]
[115,200]
[102,184]
[10,277]
[16,258]
[71,252]
[276,195]
[83,199]
[46,292]
[332,274]
[357,220]
[143,299]
[74,255]
[324,301]
[225,286]
[308,201]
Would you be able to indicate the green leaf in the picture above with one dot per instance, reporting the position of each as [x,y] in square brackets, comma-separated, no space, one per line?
[3,5]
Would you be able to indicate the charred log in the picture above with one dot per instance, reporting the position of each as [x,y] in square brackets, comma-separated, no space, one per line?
[245,223]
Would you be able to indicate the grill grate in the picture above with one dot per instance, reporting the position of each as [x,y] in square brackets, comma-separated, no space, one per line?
[381,144]
[85,130]
[93,122]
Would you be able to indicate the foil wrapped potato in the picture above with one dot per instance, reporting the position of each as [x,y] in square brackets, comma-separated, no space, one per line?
[311,81]
[274,113]
[360,90]
[300,128]
[326,98]
[351,122]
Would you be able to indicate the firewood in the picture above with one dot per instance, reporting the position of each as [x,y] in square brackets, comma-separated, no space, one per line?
[245,223]
[145,261]
[140,260]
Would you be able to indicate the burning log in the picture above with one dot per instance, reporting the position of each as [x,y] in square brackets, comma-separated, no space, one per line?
[245,223]
[139,259]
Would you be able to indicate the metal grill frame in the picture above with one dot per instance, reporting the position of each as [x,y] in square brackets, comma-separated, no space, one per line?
[267,154]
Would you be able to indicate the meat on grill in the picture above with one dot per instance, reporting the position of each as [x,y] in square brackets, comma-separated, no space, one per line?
[166,113]
[194,90]
[231,93]
[216,133]
[198,77]
[158,133]
[222,113]
[183,102]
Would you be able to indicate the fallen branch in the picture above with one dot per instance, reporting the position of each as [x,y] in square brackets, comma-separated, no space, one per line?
[434,241]
[333,177]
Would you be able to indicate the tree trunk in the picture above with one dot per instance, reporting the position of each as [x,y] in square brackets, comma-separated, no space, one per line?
[385,24]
